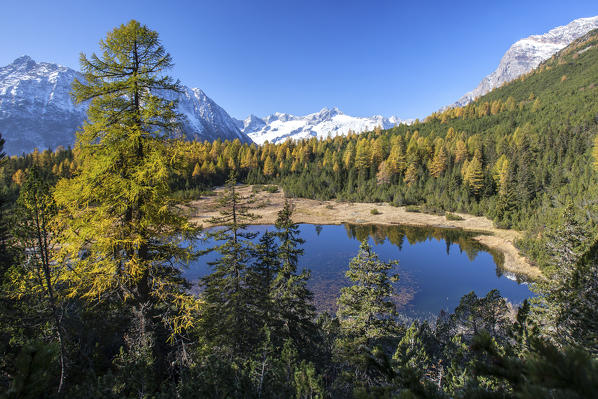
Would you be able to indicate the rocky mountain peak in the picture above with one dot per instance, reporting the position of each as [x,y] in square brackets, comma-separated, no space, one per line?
[526,54]
[37,110]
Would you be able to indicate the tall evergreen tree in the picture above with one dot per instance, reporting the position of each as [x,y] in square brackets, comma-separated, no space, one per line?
[295,314]
[120,230]
[566,243]
[260,278]
[366,312]
[229,319]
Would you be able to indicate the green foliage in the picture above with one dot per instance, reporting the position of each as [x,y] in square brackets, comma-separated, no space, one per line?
[228,319]
[34,374]
[119,229]
[452,216]
[134,328]
[365,313]
[289,288]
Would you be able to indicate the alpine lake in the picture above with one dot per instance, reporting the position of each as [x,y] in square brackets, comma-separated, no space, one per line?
[437,266]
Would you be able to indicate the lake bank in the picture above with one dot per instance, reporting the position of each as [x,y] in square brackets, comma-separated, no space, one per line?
[310,211]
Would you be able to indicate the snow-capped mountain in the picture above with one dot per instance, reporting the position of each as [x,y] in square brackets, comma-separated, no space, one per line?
[37,111]
[279,127]
[528,53]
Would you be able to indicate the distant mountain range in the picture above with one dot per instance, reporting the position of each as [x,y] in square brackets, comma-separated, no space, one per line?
[37,111]
[328,122]
[526,54]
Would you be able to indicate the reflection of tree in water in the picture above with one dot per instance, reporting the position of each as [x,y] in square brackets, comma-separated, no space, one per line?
[396,234]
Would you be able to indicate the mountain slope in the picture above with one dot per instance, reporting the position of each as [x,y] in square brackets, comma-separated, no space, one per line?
[526,54]
[279,127]
[36,109]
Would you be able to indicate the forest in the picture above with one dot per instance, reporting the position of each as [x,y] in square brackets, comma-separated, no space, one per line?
[94,240]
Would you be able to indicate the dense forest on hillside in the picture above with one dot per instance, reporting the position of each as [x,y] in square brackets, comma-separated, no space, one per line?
[93,242]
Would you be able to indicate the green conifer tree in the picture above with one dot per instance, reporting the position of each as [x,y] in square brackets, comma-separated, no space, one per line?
[228,318]
[366,314]
[295,312]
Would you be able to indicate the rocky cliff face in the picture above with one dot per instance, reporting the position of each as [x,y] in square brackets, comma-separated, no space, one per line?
[37,111]
[528,53]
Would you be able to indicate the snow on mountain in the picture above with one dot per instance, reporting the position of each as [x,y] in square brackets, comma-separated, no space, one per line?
[528,53]
[278,127]
[206,120]
[37,111]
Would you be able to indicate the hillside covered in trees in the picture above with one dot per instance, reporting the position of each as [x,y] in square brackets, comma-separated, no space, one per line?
[93,242]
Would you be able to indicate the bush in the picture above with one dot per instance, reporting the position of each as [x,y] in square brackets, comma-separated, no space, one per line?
[412,208]
[452,216]
[375,212]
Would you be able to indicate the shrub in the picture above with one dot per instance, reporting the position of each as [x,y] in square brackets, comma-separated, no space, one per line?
[452,216]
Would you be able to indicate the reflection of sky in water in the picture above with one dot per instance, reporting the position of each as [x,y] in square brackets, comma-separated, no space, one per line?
[436,267]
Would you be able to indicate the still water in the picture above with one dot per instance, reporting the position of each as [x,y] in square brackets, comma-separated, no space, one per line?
[436,266]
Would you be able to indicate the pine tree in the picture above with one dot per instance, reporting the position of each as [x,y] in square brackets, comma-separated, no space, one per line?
[295,313]
[366,314]
[411,351]
[260,278]
[120,231]
[565,245]
[474,176]
[228,319]
[365,310]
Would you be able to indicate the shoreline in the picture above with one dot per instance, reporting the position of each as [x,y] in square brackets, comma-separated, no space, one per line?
[308,211]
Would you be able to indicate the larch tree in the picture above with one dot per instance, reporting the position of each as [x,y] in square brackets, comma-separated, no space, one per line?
[595,153]
[438,162]
[120,230]
[37,274]
[410,175]
[269,167]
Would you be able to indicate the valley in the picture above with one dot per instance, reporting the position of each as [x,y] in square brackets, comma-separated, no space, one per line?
[154,246]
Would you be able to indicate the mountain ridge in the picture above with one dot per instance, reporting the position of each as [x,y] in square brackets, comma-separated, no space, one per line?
[37,110]
[279,126]
[528,53]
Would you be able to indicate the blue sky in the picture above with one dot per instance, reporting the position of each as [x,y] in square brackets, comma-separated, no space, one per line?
[365,57]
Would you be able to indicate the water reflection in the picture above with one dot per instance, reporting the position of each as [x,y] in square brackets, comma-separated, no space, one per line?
[436,265]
